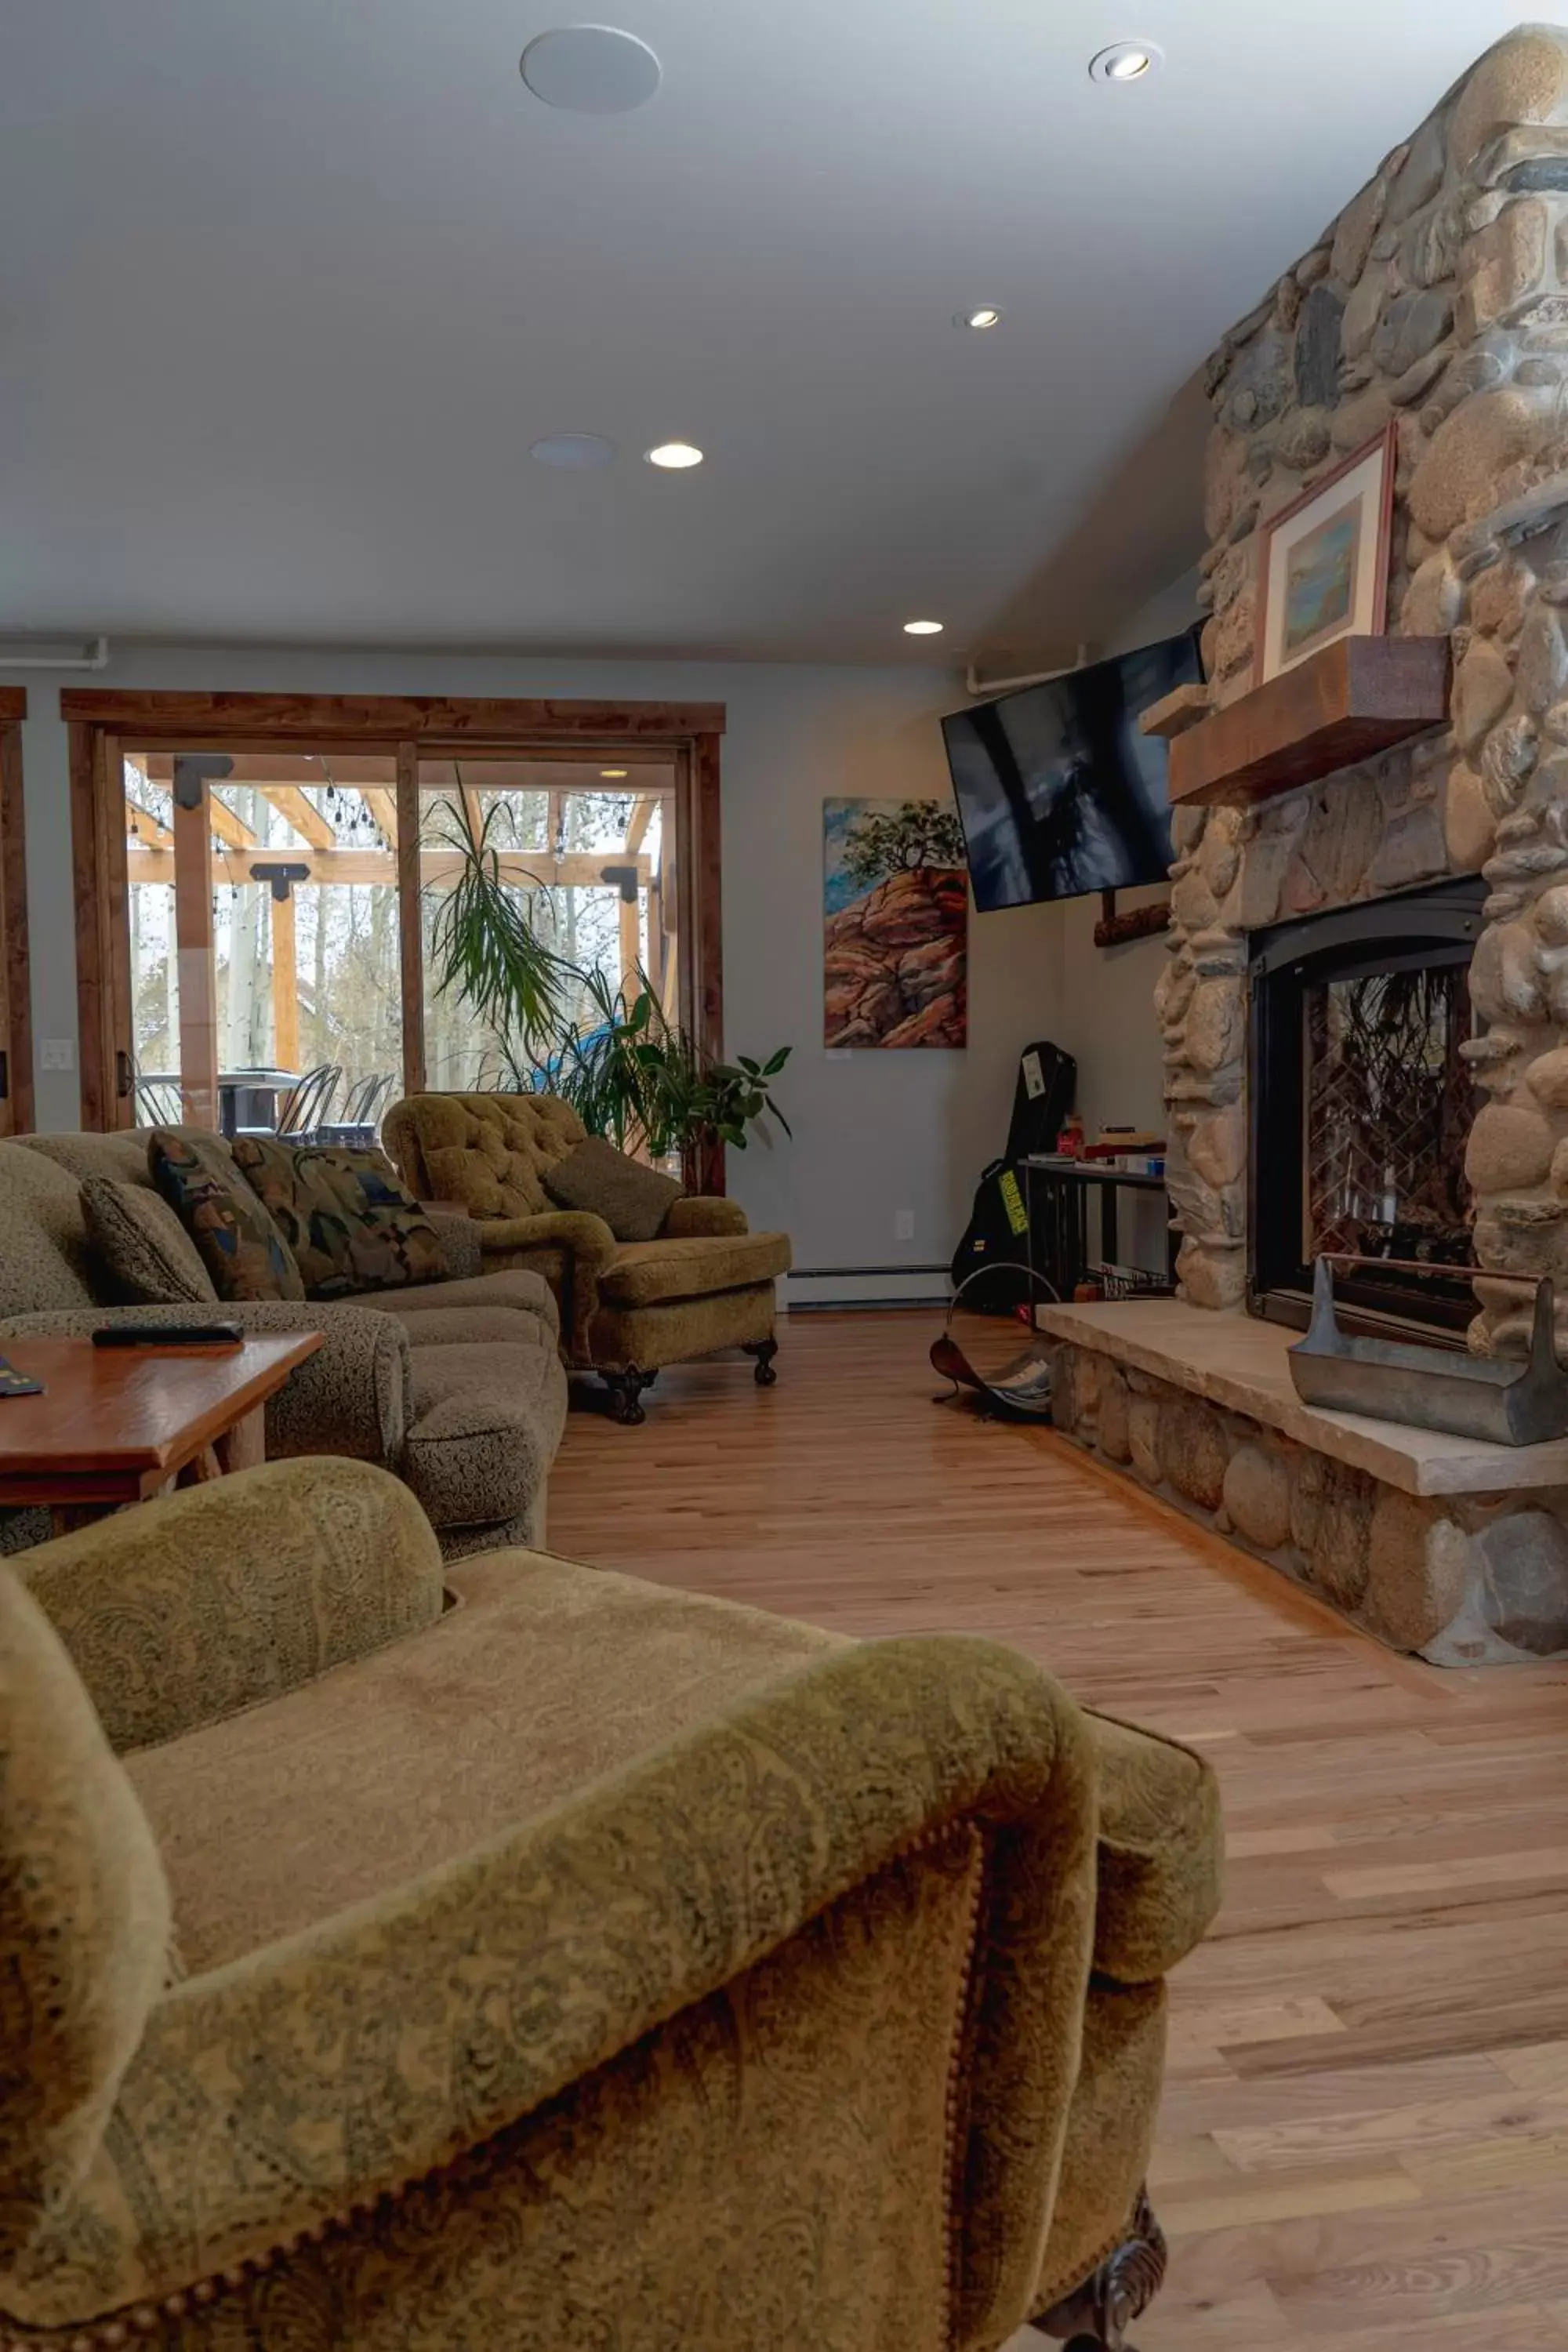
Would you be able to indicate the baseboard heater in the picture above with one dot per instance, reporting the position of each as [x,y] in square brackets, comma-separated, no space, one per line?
[865,1286]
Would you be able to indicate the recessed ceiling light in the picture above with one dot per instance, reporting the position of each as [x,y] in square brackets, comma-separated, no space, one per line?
[610,774]
[674,457]
[573,452]
[922,628]
[590,69]
[986,316]
[1126,61]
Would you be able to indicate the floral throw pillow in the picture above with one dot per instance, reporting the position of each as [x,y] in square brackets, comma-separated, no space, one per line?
[346,1216]
[236,1237]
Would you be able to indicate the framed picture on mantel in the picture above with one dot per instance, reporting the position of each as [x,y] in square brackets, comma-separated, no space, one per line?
[1323,562]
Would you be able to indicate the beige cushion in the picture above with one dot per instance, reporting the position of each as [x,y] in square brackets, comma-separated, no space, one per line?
[238,1237]
[143,1255]
[646,1272]
[546,1675]
[634,1199]
[459,1327]
[507,1286]
[120,1153]
[485,1422]
[84,1921]
[45,1262]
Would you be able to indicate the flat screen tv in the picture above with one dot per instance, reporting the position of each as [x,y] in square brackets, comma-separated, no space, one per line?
[1057,791]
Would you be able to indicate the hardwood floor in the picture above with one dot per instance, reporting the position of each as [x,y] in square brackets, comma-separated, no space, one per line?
[1364,2144]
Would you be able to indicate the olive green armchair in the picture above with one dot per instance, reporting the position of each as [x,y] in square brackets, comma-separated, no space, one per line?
[704,1283]
[553,1962]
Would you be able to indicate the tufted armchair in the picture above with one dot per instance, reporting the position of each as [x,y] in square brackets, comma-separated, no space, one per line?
[565,1964]
[627,1308]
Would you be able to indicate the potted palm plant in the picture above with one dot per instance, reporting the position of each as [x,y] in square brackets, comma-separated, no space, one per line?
[630,1073]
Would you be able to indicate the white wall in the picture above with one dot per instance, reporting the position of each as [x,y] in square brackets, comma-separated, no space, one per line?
[874,1132]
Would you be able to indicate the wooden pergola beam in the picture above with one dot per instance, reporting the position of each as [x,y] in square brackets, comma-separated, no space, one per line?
[637,823]
[381,803]
[228,827]
[284,768]
[306,819]
[583,870]
[630,942]
[142,825]
[193,941]
[285,985]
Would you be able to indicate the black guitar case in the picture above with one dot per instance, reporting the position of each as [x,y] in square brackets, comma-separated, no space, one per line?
[996,1239]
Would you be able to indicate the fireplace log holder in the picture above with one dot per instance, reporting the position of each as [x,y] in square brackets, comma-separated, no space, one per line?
[1501,1401]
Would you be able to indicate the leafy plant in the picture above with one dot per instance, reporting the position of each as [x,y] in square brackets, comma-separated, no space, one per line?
[487,950]
[917,832]
[629,1072]
[635,1076]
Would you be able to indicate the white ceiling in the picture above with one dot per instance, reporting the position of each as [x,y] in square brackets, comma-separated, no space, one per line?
[287,289]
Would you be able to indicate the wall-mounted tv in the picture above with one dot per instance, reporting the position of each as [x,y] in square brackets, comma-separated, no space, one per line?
[1057,791]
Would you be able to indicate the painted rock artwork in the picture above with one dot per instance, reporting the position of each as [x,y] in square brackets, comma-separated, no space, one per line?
[896,896]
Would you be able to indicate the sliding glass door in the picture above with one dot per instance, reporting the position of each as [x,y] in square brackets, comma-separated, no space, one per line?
[265,903]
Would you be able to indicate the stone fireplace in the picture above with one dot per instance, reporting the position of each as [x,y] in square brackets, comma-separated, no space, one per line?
[1364,1004]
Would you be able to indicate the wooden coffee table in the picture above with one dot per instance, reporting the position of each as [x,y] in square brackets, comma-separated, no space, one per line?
[116,1424]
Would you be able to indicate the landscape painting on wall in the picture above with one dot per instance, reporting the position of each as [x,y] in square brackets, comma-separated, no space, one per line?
[896,894]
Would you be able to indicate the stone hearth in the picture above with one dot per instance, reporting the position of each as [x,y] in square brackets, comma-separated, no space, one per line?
[1441,1545]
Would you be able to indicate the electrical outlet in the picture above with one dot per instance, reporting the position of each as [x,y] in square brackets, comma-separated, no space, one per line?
[903,1224]
[56,1053]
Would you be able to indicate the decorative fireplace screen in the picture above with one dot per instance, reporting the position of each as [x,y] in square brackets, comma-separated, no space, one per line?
[1361,1107]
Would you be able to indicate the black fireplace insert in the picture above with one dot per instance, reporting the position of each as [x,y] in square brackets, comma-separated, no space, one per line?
[1361,1107]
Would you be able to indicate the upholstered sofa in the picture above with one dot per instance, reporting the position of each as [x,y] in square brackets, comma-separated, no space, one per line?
[627,1308]
[557,1963]
[457,1385]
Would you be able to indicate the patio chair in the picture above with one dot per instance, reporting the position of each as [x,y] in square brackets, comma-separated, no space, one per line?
[361,1110]
[307,1106]
[158,1101]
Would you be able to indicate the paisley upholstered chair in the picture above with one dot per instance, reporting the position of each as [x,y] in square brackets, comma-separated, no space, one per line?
[552,1961]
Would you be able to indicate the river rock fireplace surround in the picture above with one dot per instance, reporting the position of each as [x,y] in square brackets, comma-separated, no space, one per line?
[1439,299]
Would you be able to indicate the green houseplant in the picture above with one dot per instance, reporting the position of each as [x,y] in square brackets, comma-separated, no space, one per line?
[486,951]
[630,1073]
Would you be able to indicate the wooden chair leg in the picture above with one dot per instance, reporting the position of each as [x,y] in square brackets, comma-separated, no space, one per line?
[626,1390]
[1096,2316]
[763,1351]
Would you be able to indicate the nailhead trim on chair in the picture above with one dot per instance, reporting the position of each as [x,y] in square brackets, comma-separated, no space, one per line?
[147,2319]
[954,2119]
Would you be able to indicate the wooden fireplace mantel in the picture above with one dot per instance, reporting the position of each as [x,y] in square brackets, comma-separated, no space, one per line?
[1357,697]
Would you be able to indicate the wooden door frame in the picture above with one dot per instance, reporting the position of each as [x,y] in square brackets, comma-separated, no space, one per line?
[411,727]
[15,980]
